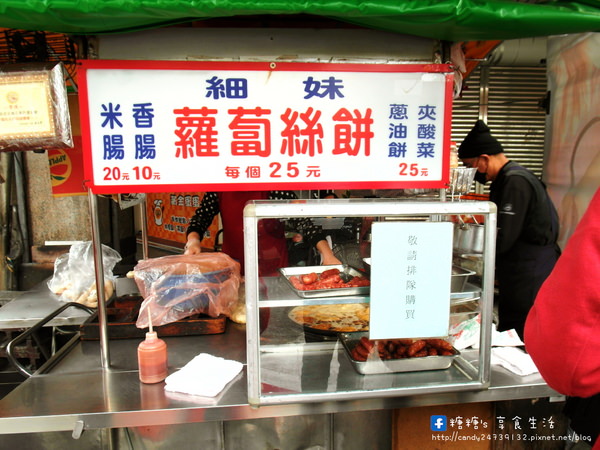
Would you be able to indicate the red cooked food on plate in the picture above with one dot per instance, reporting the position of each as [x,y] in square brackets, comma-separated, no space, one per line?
[328,279]
[400,348]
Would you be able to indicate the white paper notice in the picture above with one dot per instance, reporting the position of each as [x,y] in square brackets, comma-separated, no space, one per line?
[411,268]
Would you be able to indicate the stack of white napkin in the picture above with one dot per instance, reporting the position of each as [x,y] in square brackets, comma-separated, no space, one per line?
[513,359]
[205,375]
[505,351]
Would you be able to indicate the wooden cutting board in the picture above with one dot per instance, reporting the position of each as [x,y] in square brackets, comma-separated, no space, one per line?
[122,313]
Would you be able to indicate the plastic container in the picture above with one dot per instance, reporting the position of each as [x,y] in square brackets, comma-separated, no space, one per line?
[188,293]
[152,359]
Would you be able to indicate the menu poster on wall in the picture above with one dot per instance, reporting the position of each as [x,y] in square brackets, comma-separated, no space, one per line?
[158,126]
[169,215]
[411,268]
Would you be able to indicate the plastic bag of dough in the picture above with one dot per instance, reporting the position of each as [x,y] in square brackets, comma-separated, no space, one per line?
[179,286]
[74,278]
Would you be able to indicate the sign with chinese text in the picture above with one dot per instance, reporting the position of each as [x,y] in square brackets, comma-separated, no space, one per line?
[158,126]
[169,215]
[411,269]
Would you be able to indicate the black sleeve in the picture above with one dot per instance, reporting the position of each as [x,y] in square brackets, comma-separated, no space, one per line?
[517,195]
[204,215]
[303,225]
[282,195]
[312,233]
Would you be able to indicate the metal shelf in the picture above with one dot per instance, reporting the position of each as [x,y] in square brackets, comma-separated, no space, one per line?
[278,294]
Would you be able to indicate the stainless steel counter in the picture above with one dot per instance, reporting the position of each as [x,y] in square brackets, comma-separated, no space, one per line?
[36,304]
[78,394]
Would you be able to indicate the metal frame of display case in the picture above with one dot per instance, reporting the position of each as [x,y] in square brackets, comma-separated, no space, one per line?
[464,374]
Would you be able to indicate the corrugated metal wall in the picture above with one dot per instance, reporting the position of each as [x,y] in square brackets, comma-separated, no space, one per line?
[510,100]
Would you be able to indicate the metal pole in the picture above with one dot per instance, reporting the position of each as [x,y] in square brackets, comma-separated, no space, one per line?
[21,203]
[144,220]
[99,268]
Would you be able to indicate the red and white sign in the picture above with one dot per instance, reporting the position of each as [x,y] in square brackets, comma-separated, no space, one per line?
[66,170]
[169,126]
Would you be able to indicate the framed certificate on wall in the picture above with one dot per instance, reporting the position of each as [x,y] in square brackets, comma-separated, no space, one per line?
[34,109]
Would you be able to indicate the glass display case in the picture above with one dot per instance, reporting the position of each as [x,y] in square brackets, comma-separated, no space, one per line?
[356,339]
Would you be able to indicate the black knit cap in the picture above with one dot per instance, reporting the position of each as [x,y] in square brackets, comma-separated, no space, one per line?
[479,142]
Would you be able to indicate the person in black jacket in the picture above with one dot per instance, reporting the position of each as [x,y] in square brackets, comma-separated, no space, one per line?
[526,244]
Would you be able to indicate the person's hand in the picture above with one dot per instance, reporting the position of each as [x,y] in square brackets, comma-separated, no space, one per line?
[328,258]
[192,247]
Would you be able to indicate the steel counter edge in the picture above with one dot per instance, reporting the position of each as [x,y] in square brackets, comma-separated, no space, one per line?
[83,396]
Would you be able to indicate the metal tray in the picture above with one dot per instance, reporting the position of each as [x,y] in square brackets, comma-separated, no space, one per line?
[468,300]
[287,272]
[378,366]
[459,278]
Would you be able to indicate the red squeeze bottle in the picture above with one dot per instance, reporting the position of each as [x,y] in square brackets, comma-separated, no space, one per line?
[152,357]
